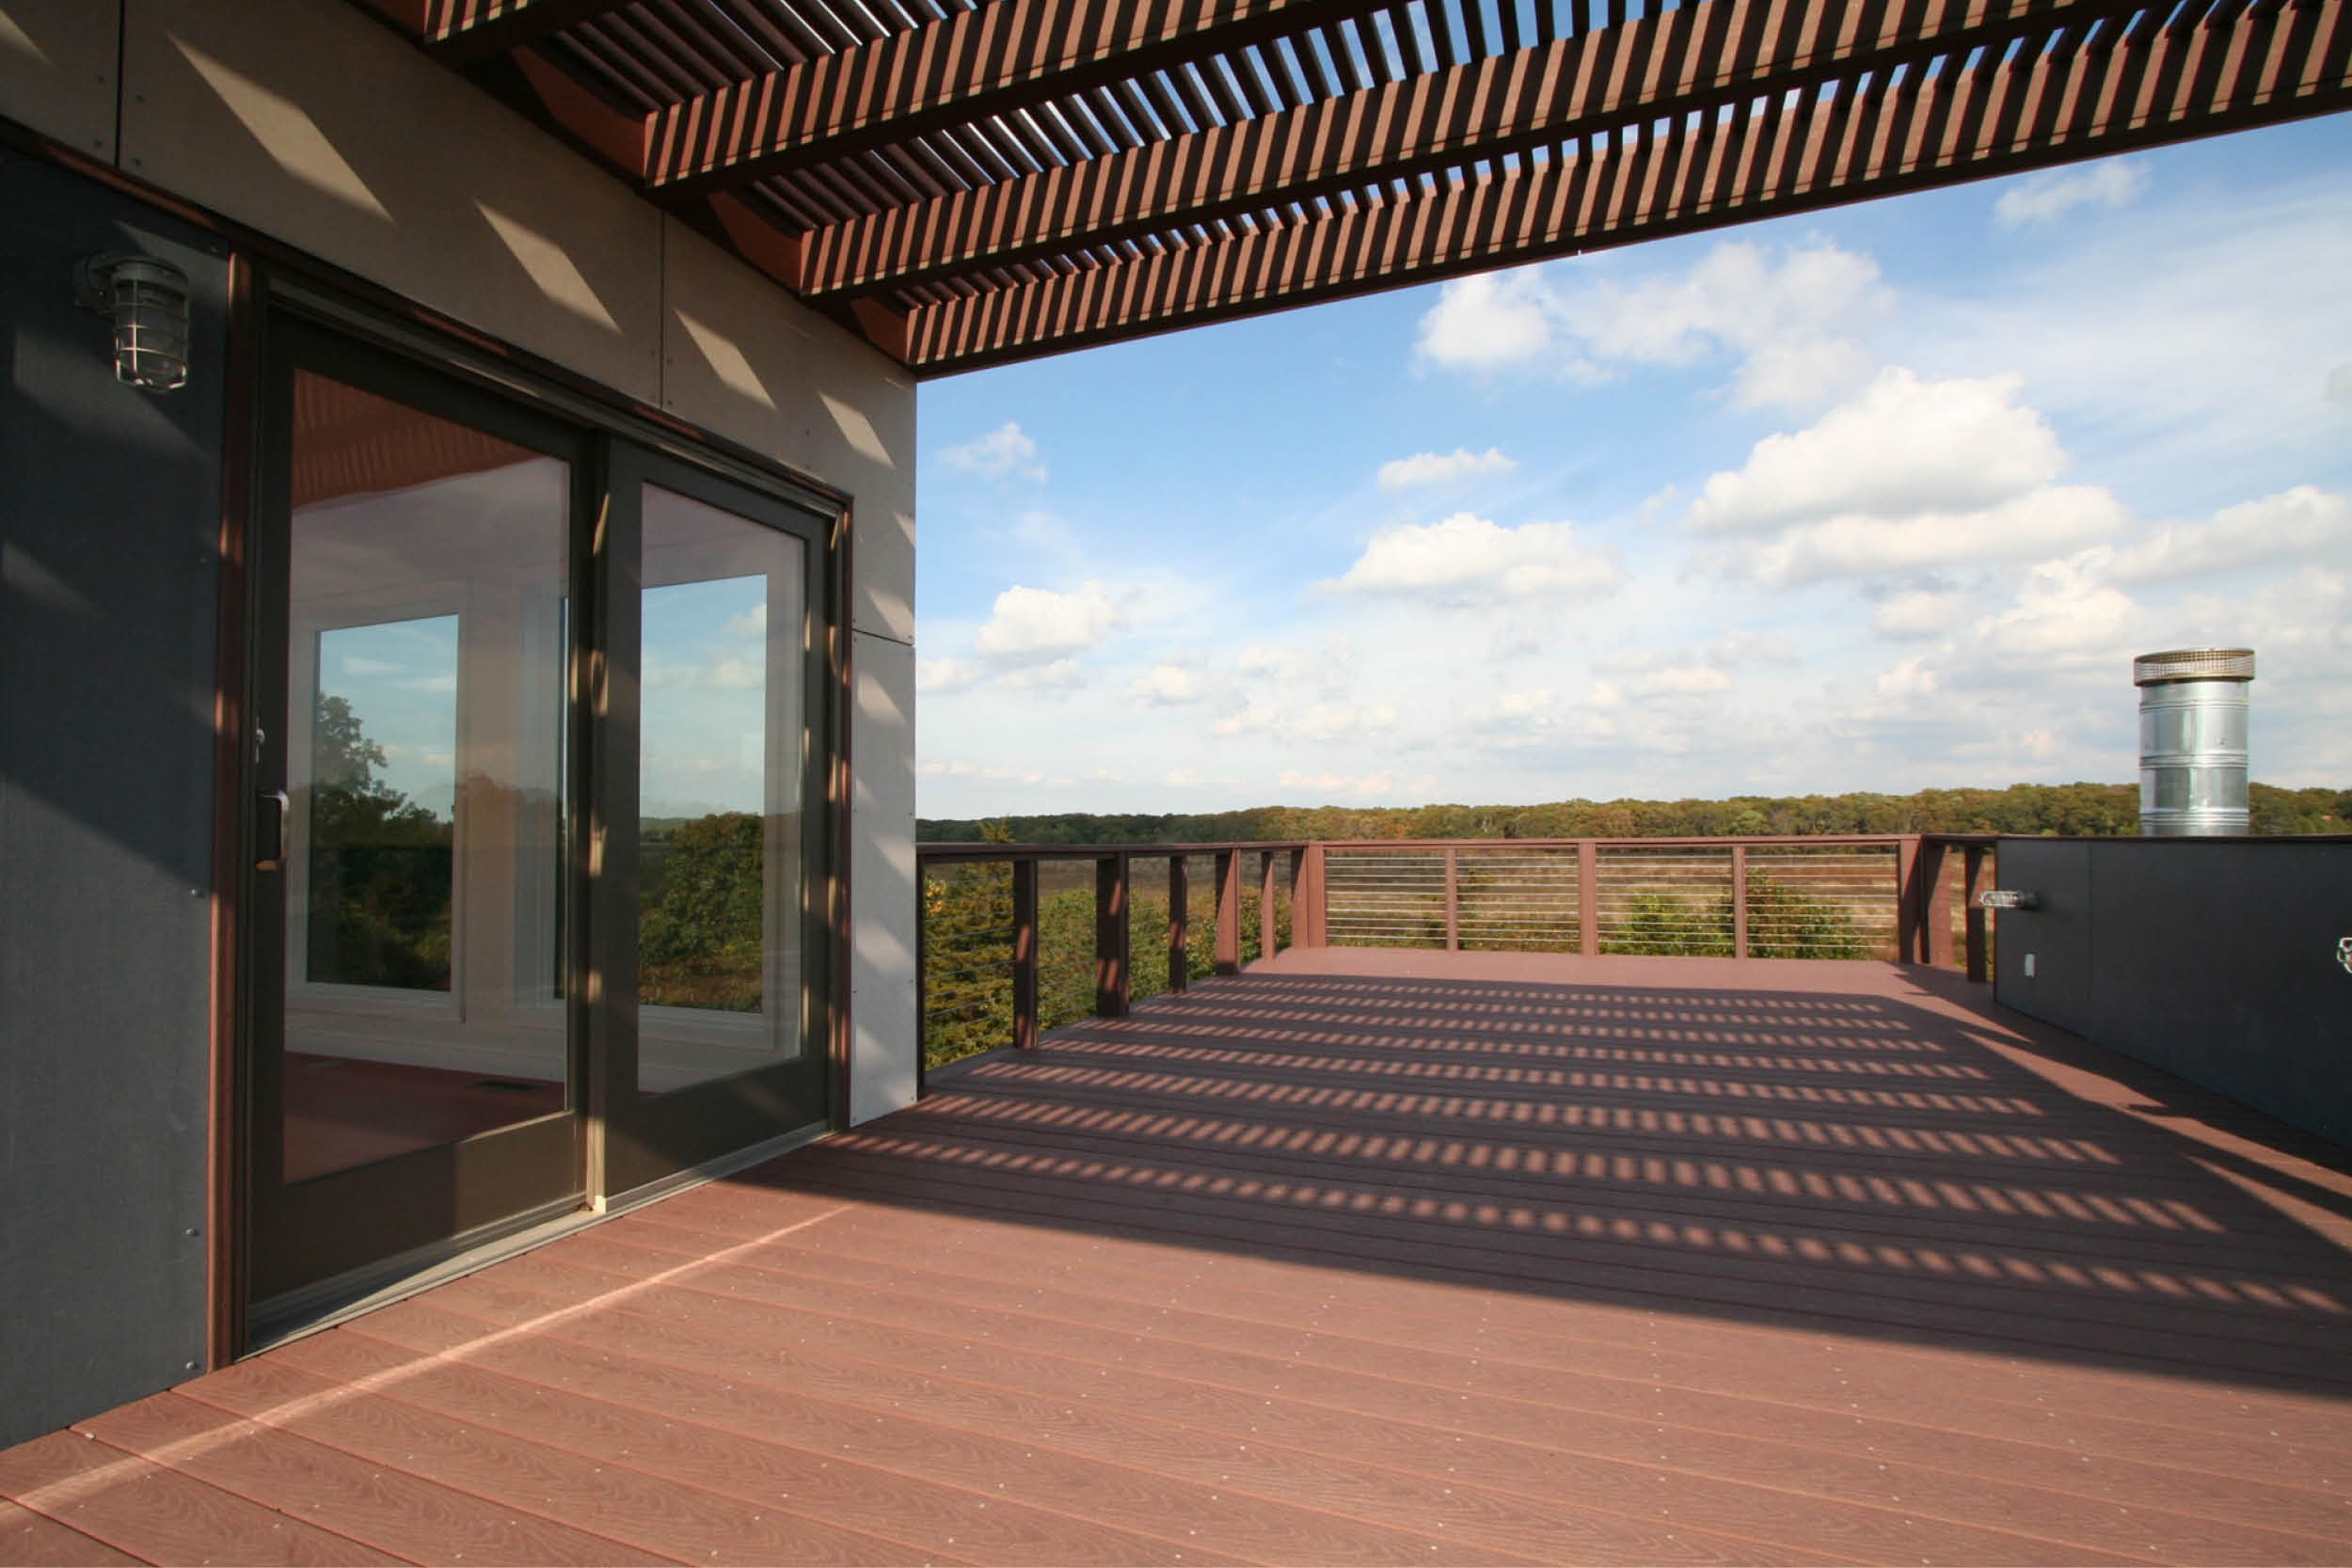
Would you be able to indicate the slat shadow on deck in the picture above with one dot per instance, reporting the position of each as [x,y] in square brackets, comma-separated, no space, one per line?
[1358,1257]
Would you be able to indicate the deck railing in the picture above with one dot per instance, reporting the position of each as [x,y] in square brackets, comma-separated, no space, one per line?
[1016,938]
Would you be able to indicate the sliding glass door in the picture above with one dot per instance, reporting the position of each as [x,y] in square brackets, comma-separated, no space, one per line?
[539,907]
[726,797]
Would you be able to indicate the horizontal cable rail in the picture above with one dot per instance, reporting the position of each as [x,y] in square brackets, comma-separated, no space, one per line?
[1020,938]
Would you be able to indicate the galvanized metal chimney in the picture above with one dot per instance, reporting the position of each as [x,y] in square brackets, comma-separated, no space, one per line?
[2192,742]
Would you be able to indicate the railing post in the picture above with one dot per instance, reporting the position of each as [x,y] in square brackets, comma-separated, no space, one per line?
[1229,912]
[1935,901]
[1453,900]
[1179,924]
[1110,937]
[1588,897]
[1907,899]
[1306,898]
[1739,901]
[1971,883]
[1266,943]
[1025,954]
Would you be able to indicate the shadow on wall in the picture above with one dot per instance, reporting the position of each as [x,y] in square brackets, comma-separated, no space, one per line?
[1838,1162]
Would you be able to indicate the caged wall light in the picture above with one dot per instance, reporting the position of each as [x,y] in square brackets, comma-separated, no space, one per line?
[147,300]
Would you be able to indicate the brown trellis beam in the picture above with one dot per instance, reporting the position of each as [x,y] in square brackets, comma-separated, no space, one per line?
[1932,120]
[997,58]
[461,32]
[1698,56]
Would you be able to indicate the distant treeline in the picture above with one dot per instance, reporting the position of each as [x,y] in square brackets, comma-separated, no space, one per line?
[2074,810]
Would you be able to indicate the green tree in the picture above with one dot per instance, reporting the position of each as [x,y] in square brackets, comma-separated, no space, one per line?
[381,867]
[699,939]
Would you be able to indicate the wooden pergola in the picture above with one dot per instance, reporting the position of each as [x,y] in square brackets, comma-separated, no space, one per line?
[972,182]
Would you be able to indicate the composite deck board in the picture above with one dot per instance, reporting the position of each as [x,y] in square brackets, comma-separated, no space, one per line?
[2121,1473]
[2278,1436]
[721,1435]
[2024,1317]
[1944,1485]
[733,1383]
[608,1495]
[161,1513]
[391,1510]
[1372,1258]
[35,1539]
[2060,1220]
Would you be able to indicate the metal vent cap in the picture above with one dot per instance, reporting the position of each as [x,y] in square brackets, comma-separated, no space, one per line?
[2194,664]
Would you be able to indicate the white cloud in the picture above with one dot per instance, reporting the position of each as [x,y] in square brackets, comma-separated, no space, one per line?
[1860,545]
[2304,518]
[1899,448]
[1743,646]
[1489,321]
[1059,676]
[1429,467]
[1907,681]
[1522,704]
[1922,613]
[2300,630]
[1320,723]
[1165,685]
[1794,322]
[735,674]
[2065,606]
[948,675]
[1004,450]
[1031,625]
[2044,196]
[1342,784]
[1688,680]
[2340,386]
[1469,560]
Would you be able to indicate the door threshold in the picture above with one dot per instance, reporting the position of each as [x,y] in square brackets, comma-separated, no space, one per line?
[311,1307]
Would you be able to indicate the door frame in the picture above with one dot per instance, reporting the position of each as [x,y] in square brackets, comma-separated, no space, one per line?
[617,432]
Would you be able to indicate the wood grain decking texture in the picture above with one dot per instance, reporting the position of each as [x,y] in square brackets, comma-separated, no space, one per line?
[1357,1258]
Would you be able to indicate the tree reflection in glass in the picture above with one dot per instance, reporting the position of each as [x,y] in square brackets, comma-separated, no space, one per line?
[382,858]
[703,875]
[718,782]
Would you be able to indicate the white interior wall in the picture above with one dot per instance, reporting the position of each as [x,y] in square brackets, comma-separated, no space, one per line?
[312,121]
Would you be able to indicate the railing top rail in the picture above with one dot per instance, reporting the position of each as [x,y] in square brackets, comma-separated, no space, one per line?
[937,850]
[964,851]
[1693,842]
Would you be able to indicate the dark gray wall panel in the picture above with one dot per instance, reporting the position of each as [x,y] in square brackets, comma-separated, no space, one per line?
[109,515]
[2057,935]
[2215,959]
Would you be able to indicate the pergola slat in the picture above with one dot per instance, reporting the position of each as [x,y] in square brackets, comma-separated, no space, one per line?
[1933,128]
[968,182]
[1000,56]
[1700,57]
[460,32]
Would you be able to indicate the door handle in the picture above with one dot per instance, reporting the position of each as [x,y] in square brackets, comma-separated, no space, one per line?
[271,832]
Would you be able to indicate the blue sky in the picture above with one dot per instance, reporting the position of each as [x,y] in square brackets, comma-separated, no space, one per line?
[1877,498]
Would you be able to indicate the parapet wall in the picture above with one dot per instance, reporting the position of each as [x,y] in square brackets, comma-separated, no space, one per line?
[2219,960]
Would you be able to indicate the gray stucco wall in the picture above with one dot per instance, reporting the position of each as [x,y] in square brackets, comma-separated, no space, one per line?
[2215,959]
[313,122]
[109,517]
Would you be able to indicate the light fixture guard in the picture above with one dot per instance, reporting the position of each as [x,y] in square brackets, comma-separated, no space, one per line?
[148,302]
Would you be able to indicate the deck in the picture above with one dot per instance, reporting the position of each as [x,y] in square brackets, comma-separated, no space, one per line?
[1358,1257]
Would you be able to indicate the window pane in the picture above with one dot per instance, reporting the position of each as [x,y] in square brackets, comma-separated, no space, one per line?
[718,782]
[427,699]
[384,804]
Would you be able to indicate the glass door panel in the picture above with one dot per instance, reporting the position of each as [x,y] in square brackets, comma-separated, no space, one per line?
[413,1058]
[721,766]
[425,782]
